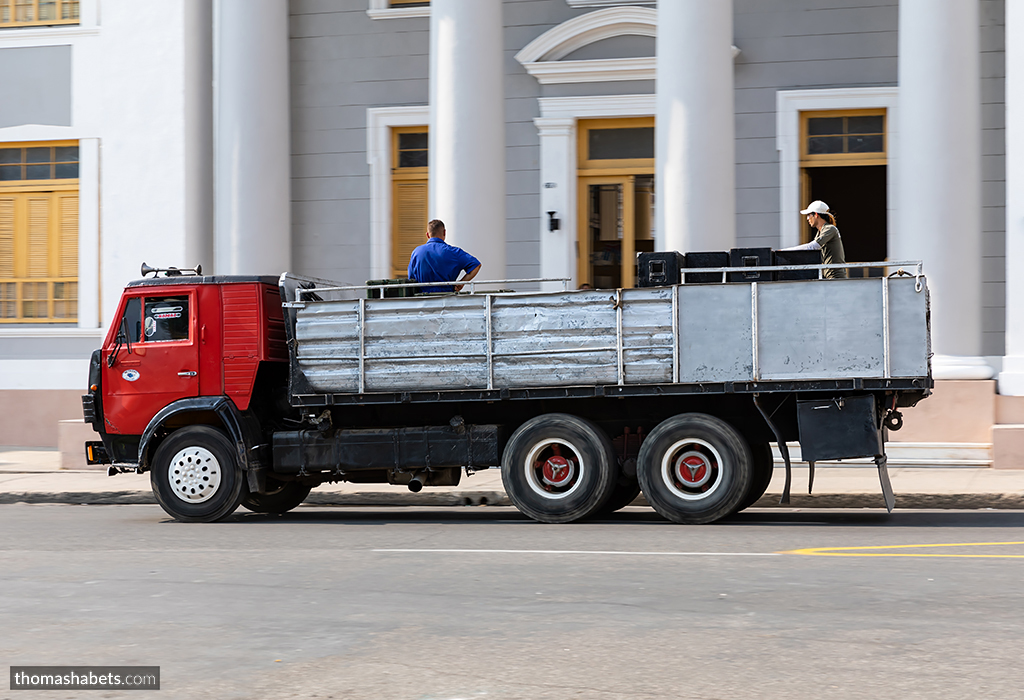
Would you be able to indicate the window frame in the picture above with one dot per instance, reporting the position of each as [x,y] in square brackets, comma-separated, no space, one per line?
[417,174]
[842,159]
[13,24]
[611,166]
[28,185]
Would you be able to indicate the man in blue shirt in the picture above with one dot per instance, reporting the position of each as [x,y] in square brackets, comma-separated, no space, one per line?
[436,261]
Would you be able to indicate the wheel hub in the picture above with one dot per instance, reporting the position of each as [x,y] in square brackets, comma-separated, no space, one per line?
[194,474]
[554,468]
[558,471]
[693,469]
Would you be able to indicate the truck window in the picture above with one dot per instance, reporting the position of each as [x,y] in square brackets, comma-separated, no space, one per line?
[166,319]
[133,320]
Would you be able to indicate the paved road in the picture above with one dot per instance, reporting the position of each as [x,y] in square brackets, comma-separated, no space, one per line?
[481,603]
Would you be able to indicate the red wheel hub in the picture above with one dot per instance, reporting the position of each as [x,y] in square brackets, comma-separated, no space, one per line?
[693,469]
[558,470]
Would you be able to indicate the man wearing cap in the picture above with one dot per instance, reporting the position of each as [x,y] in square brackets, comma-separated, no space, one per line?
[436,261]
[827,240]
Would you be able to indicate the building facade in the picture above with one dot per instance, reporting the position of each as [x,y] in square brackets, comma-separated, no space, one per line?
[556,139]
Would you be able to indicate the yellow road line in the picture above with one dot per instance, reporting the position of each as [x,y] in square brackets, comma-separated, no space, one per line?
[886,551]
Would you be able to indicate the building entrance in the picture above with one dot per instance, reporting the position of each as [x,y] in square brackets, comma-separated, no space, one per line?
[616,199]
[618,225]
[857,197]
[843,163]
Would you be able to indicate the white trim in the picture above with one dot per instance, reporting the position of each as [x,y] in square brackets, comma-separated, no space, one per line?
[543,56]
[560,41]
[43,374]
[597,106]
[789,104]
[606,3]
[592,71]
[88,25]
[557,128]
[379,121]
[88,213]
[379,9]
[49,331]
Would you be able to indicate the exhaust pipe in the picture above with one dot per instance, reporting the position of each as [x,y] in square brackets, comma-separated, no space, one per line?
[416,482]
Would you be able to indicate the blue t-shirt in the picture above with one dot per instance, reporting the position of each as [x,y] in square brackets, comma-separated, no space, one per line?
[436,261]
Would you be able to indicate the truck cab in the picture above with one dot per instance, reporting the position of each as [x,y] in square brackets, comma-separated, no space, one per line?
[183,350]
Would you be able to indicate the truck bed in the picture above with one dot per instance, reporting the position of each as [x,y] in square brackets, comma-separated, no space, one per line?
[864,331]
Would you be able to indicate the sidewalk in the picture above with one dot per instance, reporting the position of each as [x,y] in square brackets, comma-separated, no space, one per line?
[34,476]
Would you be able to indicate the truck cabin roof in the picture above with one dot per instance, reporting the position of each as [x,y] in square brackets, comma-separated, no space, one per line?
[196,279]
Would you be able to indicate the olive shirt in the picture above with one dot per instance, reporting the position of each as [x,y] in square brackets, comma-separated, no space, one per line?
[831,251]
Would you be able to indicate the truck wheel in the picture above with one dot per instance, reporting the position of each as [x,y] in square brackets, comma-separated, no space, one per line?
[763,467]
[281,497]
[694,468]
[195,475]
[558,468]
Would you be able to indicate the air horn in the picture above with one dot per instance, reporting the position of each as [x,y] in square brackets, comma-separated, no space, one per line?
[172,271]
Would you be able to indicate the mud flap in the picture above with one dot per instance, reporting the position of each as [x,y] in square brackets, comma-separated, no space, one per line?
[883,476]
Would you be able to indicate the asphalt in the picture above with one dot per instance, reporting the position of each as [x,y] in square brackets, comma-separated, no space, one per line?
[34,476]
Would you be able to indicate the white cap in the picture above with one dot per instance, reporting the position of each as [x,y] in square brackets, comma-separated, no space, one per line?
[817,206]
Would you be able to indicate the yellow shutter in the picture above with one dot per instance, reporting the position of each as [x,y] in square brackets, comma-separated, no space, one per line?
[409,225]
[68,236]
[38,236]
[7,236]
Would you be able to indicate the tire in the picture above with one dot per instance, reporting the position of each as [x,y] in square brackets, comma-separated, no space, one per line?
[281,498]
[195,475]
[763,467]
[694,468]
[558,468]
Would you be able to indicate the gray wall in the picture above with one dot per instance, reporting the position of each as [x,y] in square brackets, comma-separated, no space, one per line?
[36,86]
[993,175]
[344,62]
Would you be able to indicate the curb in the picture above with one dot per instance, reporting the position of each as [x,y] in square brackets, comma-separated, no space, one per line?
[911,501]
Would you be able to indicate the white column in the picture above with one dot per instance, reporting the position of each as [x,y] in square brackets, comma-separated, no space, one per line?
[939,173]
[467,128]
[558,194]
[1011,379]
[252,177]
[694,126]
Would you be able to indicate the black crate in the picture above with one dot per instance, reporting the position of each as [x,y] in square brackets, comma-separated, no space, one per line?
[839,428]
[750,257]
[716,259]
[797,257]
[389,291]
[659,269]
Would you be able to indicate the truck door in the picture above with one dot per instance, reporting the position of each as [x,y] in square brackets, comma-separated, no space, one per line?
[162,364]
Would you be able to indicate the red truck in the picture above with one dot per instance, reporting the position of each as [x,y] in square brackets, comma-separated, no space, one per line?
[235,390]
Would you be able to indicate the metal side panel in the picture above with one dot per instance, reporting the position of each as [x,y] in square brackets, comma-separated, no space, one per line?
[715,342]
[426,343]
[328,351]
[908,328]
[533,335]
[820,329]
[647,335]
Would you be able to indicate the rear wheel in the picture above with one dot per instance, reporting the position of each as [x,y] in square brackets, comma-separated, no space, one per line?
[559,468]
[281,497]
[694,468]
[195,475]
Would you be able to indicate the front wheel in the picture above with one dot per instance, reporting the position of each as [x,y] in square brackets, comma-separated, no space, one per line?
[694,468]
[559,468]
[195,475]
